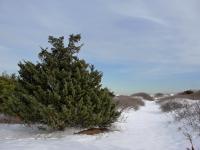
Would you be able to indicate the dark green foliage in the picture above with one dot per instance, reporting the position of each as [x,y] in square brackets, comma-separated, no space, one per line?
[187,92]
[7,86]
[62,90]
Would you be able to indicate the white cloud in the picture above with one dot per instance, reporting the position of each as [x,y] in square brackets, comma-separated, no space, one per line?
[174,42]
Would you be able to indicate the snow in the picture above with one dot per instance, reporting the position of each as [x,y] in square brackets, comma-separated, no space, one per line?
[145,129]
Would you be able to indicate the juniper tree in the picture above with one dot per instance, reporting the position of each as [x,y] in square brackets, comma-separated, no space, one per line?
[62,90]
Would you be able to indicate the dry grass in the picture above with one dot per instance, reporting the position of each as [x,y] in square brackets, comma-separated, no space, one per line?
[158,95]
[9,119]
[129,102]
[190,115]
[170,105]
[187,111]
[143,95]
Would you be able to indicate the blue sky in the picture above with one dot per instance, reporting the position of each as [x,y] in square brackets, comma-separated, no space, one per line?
[139,45]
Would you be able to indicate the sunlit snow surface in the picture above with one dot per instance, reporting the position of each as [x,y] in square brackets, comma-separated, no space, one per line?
[145,129]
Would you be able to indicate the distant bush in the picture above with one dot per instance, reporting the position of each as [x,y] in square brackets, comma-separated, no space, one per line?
[129,102]
[170,105]
[158,95]
[143,95]
[187,92]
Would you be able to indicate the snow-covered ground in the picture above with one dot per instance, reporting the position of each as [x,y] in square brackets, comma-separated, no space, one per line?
[145,129]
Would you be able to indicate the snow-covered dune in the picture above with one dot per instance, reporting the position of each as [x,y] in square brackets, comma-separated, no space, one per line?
[145,129]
